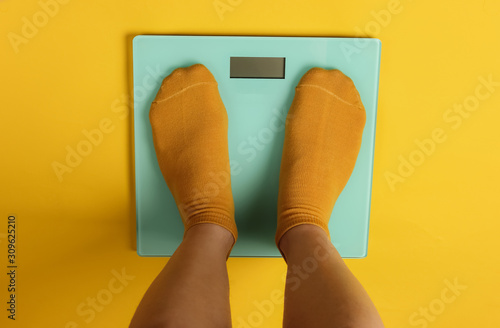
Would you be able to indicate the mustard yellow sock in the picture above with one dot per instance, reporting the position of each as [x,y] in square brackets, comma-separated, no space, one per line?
[190,126]
[322,141]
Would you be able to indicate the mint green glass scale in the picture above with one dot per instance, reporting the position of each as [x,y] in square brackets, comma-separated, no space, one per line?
[256,78]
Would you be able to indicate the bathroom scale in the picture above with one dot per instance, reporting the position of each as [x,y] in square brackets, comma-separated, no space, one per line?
[256,78]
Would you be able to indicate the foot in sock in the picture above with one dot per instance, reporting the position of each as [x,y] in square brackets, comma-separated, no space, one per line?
[322,141]
[190,126]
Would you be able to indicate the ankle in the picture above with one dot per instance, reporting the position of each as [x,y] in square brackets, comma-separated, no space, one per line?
[212,235]
[304,237]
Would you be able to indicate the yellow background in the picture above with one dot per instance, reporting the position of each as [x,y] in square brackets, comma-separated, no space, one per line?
[441,224]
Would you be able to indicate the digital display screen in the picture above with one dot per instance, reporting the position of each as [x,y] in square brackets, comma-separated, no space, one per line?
[257,67]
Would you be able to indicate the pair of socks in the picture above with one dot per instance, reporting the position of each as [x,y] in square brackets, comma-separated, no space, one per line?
[322,140]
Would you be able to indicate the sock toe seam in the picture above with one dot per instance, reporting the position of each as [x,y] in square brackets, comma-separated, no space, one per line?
[330,93]
[182,90]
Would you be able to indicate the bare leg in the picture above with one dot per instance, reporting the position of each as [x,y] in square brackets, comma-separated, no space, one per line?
[320,289]
[193,288]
